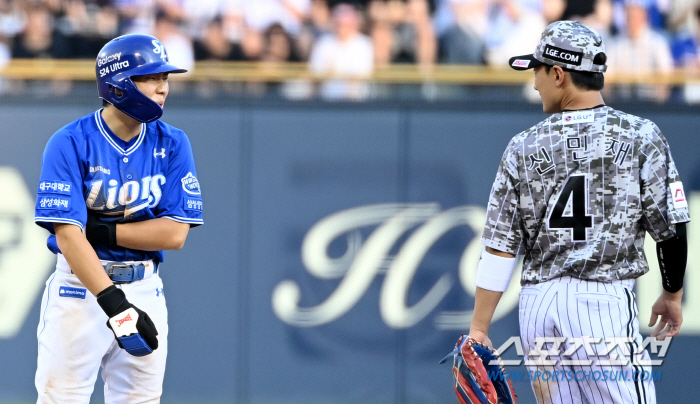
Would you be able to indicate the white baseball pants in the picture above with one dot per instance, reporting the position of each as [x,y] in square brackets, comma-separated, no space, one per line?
[568,307]
[74,342]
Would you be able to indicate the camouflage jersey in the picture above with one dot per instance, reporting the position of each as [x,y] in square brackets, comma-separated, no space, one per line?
[576,193]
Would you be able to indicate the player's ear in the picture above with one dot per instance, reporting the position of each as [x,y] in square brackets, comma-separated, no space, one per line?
[559,76]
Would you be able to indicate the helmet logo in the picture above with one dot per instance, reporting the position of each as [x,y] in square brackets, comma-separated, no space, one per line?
[114,64]
[160,50]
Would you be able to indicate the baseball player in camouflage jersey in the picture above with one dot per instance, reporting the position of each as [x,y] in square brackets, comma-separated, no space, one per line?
[575,196]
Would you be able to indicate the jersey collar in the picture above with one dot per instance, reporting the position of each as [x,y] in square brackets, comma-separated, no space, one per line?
[115,141]
[584,109]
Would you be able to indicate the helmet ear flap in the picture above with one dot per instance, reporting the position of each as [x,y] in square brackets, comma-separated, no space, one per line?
[116,91]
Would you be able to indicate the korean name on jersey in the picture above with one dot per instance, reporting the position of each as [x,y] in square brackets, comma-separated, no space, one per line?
[86,166]
[577,192]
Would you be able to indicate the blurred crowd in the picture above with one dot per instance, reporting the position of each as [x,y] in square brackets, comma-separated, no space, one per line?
[352,37]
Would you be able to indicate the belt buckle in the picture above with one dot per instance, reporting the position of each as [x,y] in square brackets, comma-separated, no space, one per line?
[119,265]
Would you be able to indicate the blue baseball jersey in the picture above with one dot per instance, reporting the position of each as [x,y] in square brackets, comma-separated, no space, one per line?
[86,166]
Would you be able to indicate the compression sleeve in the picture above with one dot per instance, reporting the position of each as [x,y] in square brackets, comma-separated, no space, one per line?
[673,257]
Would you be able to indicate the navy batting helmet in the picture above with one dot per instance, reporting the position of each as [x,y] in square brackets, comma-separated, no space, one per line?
[125,57]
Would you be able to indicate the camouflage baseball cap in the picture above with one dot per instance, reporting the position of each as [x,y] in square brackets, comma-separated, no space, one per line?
[568,44]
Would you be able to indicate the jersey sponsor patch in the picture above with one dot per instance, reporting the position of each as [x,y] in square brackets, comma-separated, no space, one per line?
[54,187]
[569,118]
[53,203]
[678,195]
[521,63]
[190,184]
[67,291]
[192,204]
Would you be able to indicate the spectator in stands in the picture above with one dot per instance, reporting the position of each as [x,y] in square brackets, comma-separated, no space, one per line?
[279,47]
[597,14]
[90,25]
[640,52]
[684,26]
[215,45]
[179,46]
[317,24]
[198,14]
[136,15]
[346,52]
[402,32]
[11,19]
[686,51]
[656,14]
[39,37]
[5,56]
[515,27]
[681,18]
[259,15]
[463,42]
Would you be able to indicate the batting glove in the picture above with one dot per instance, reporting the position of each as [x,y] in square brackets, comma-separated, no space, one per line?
[134,330]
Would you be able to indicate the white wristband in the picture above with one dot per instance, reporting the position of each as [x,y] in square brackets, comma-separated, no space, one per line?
[494,272]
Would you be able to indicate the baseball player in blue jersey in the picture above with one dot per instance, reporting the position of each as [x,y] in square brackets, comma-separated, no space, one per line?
[117,188]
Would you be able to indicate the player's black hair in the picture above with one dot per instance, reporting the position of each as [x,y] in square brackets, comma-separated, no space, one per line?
[587,81]
[104,103]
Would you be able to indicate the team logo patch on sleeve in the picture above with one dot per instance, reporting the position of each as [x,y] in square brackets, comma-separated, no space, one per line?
[190,184]
[53,203]
[54,187]
[66,291]
[193,204]
[678,195]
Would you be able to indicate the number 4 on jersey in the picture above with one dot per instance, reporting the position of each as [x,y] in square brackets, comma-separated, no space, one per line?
[574,190]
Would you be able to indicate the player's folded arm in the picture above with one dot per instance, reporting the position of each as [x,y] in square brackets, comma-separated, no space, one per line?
[153,235]
[148,235]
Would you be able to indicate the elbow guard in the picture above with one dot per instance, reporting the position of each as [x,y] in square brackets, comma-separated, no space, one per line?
[673,257]
[494,272]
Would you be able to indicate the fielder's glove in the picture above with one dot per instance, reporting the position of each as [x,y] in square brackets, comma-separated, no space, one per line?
[100,232]
[134,330]
[476,380]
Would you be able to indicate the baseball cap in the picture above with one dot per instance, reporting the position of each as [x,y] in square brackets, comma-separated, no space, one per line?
[568,44]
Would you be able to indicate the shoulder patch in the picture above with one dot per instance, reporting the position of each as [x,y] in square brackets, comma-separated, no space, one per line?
[55,187]
[678,195]
[53,203]
[192,204]
[190,184]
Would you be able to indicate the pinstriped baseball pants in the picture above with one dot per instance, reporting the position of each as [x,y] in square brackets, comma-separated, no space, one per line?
[568,307]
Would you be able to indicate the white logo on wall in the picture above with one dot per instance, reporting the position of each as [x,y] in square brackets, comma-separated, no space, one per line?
[363,261]
[366,259]
[24,259]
